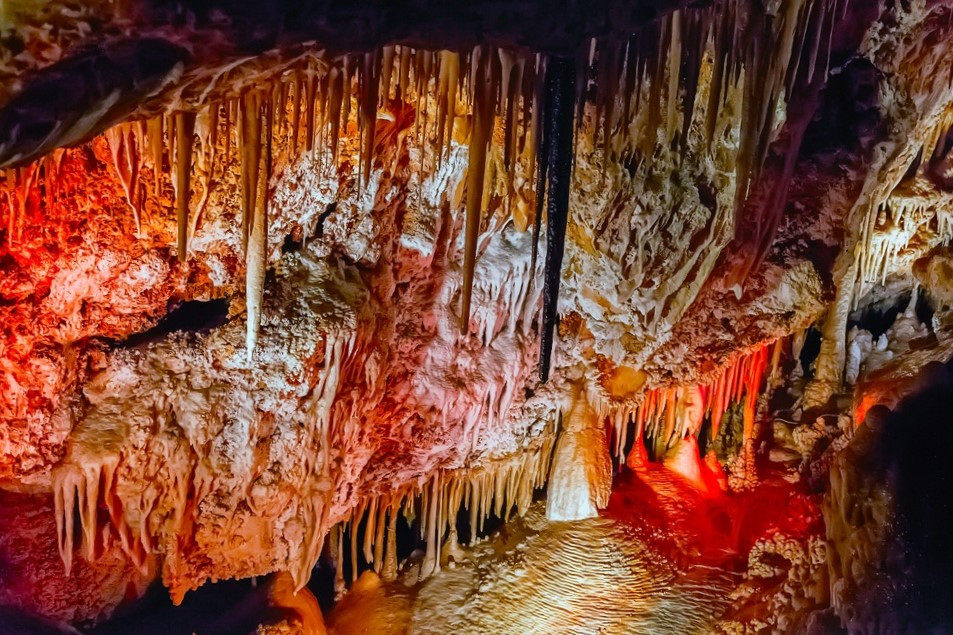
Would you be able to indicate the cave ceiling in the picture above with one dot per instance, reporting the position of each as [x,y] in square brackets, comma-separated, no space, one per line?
[271,267]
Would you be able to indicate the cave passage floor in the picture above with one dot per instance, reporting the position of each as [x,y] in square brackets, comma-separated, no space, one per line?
[660,559]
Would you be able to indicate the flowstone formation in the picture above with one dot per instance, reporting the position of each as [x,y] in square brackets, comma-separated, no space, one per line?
[342,287]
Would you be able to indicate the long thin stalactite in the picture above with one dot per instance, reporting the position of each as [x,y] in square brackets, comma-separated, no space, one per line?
[560,96]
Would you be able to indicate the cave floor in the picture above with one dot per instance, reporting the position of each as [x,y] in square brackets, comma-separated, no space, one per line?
[662,558]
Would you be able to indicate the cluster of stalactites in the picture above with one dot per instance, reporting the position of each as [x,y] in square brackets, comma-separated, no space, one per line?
[85,487]
[500,487]
[80,493]
[895,229]
[657,416]
[658,69]
[901,226]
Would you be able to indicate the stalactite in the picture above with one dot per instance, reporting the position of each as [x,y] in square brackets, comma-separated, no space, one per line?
[20,183]
[11,189]
[674,74]
[78,491]
[499,487]
[389,568]
[560,87]
[355,521]
[310,87]
[370,82]
[448,85]
[377,555]
[337,547]
[125,151]
[349,66]
[655,418]
[798,40]
[257,121]
[773,52]
[184,127]
[539,155]
[483,88]
[154,132]
[206,130]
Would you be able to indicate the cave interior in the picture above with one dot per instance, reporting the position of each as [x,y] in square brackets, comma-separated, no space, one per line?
[510,317]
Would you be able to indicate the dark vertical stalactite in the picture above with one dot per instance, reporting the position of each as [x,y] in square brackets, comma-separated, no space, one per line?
[542,156]
[370,94]
[560,95]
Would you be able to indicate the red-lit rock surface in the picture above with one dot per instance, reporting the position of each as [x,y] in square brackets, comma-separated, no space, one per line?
[188,449]
[662,557]
[32,569]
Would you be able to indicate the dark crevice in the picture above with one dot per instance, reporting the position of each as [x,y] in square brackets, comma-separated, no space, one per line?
[319,227]
[809,351]
[192,316]
[879,316]
[226,606]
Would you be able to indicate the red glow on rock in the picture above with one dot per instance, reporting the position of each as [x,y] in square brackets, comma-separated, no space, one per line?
[698,526]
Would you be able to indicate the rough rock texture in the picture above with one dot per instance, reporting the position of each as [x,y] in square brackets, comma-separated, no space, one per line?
[886,515]
[344,382]
[33,577]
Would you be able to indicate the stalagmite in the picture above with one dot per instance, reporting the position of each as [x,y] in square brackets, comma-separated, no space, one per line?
[389,569]
[829,366]
[283,595]
[582,471]
[560,88]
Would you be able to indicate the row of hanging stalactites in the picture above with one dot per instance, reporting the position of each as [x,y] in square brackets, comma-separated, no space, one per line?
[898,222]
[500,487]
[658,415]
[641,95]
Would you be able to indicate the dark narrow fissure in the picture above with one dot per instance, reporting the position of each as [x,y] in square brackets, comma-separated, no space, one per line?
[191,316]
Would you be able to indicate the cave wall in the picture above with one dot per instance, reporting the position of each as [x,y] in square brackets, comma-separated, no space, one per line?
[201,458]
